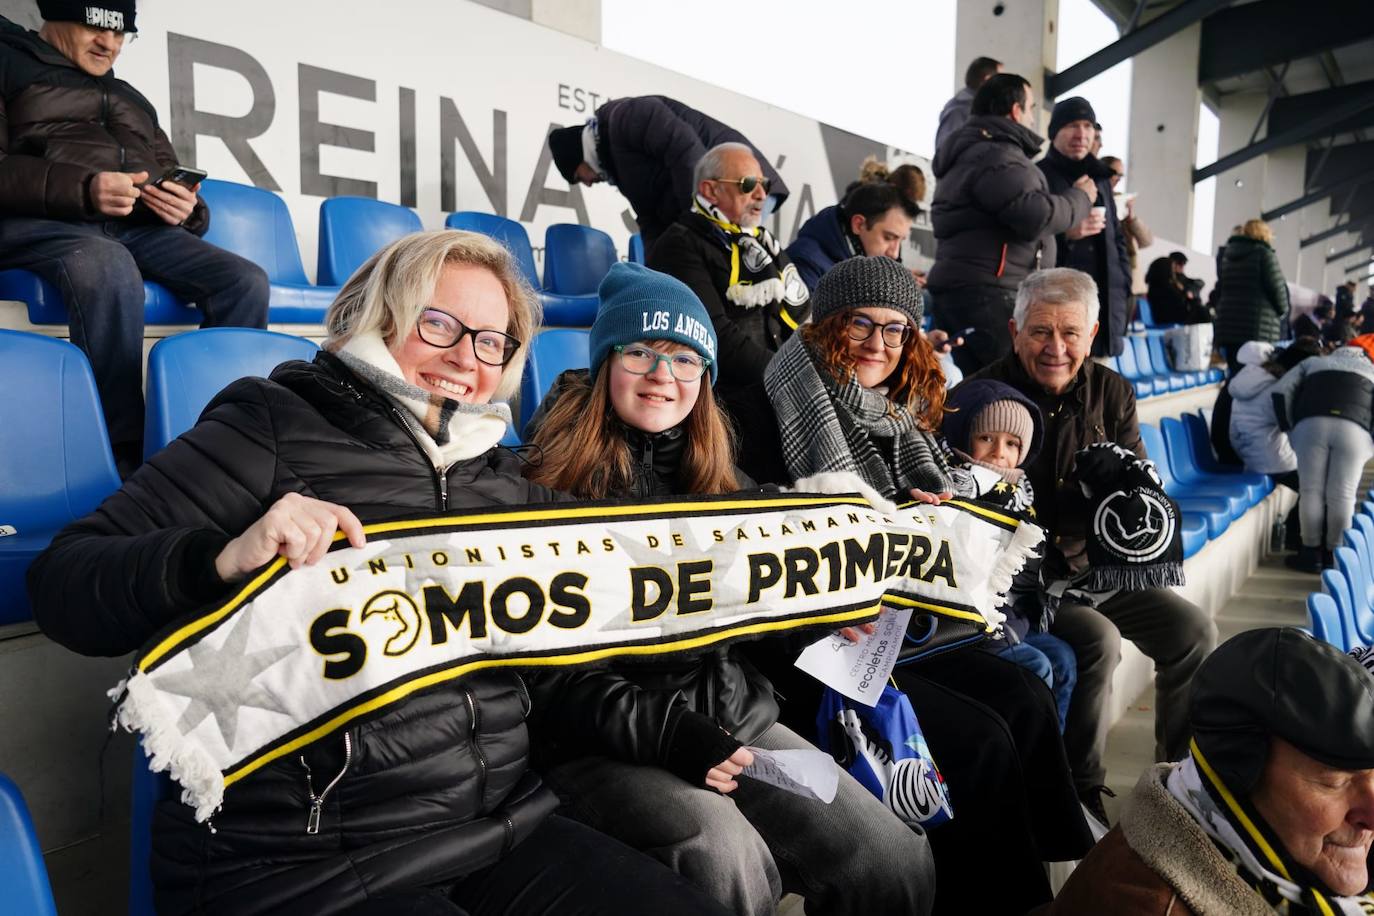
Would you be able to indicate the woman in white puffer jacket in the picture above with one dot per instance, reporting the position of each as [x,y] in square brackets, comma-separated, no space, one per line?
[1254,430]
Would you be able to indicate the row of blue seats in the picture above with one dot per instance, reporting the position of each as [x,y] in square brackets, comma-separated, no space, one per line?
[1343,612]
[1210,495]
[255,224]
[1145,363]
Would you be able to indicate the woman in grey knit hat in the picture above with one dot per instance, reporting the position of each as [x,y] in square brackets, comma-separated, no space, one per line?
[861,390]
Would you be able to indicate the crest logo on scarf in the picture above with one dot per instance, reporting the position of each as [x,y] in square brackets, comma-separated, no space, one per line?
[1138,526]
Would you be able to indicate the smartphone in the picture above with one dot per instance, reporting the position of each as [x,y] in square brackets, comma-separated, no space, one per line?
[183,175]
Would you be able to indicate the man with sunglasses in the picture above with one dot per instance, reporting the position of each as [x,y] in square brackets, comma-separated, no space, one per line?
[720,249]
[79,154]
[647,146]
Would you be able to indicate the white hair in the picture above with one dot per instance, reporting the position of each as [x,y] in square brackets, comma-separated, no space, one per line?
[713,160]
[1056,286]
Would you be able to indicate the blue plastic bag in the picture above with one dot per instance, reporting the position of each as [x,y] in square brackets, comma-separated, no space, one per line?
[883,748]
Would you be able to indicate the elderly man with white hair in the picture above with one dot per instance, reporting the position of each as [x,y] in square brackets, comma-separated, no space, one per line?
[1271,810]
[1083,403]
[720,249]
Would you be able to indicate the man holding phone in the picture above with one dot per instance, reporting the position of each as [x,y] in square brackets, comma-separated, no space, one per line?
[95,203]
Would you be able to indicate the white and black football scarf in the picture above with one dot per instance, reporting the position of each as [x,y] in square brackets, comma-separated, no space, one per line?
[297,655]
[1243,837]
[827,425]
[758,279]
[1134,541]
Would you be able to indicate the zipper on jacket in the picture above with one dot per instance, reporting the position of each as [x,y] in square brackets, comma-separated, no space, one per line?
[476,749]
[646,466]
[440,474]
[312,822]
[509,842]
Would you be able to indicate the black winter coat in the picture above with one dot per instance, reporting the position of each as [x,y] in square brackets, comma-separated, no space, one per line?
[59,126]
[994,215]
[821,243]
[697,252]
[1102,256]
[649,146]
[433,789]
[631,710]
[1252,295]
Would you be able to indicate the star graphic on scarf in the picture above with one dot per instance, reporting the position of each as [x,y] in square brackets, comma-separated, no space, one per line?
[220,681]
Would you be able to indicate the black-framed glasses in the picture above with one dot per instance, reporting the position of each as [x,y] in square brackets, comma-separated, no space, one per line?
[641,360]
[861,327]
[440,329]
[748,183]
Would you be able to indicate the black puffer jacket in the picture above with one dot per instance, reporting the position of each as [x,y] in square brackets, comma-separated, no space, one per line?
[640,711]
[650,144]
[433,789]
[59,126]
[1252,295]
[994,215]
[1102,256]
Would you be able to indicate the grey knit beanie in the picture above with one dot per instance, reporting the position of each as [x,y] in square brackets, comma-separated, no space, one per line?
[876,281]
[1004,417]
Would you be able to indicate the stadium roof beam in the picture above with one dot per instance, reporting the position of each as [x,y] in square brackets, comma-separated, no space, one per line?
[1131,44]
[1299,133]
[1352,226]
[1311,197]
[1294,110]
[1275,31]
[1353,249]
[1359,266]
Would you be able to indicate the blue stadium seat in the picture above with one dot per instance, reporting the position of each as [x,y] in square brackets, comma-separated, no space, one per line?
[1192,527]
[1176,454]
[254,223]
[553,351]
[1216,510]
[1335,585]
[1160,376]
[353,229]
[1348,565]
[23,876]
[58,466]
[1325,620]
[1365,525]
[147,789]
[186,371]
[1362,592]
[1146,316]
[1206,460]
[506,231]
[1253,487]
[1127,369]
[1161,361]
[45,304]
[576,259]
[636,253]
[558,309]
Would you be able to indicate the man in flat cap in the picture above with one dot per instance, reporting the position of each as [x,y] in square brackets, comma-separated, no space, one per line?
[1273,809]
[80,156]
[647,147]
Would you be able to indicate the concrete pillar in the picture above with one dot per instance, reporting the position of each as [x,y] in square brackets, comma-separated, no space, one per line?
[1164,118]
[1021,35]
[1312,259]
[1284,174]
[1239,191]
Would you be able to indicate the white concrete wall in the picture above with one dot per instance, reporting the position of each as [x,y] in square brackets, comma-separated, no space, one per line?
[1164,120]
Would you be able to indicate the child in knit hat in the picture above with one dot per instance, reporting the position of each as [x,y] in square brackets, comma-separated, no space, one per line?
[991,431]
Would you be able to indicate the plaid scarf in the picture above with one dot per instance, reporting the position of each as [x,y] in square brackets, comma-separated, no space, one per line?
[1246,840]
[759,275]
[827,425]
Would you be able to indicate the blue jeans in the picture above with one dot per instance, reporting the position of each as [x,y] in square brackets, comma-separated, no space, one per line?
[100,267]
[1052,660]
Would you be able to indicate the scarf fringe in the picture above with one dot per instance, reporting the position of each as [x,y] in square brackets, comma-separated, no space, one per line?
[142,712]
[1132,578]
[757,294]
[1023,547]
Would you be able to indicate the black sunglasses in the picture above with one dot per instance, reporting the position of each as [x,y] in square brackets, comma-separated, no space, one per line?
[748,183]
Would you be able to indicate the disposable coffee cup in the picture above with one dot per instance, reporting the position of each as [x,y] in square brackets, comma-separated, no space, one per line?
[1099,212]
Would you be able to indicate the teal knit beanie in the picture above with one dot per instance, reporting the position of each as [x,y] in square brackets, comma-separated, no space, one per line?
[642,304]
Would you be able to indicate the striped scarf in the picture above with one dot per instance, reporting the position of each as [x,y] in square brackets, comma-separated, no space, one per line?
[1243,837]
[826,425]
[760,275]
